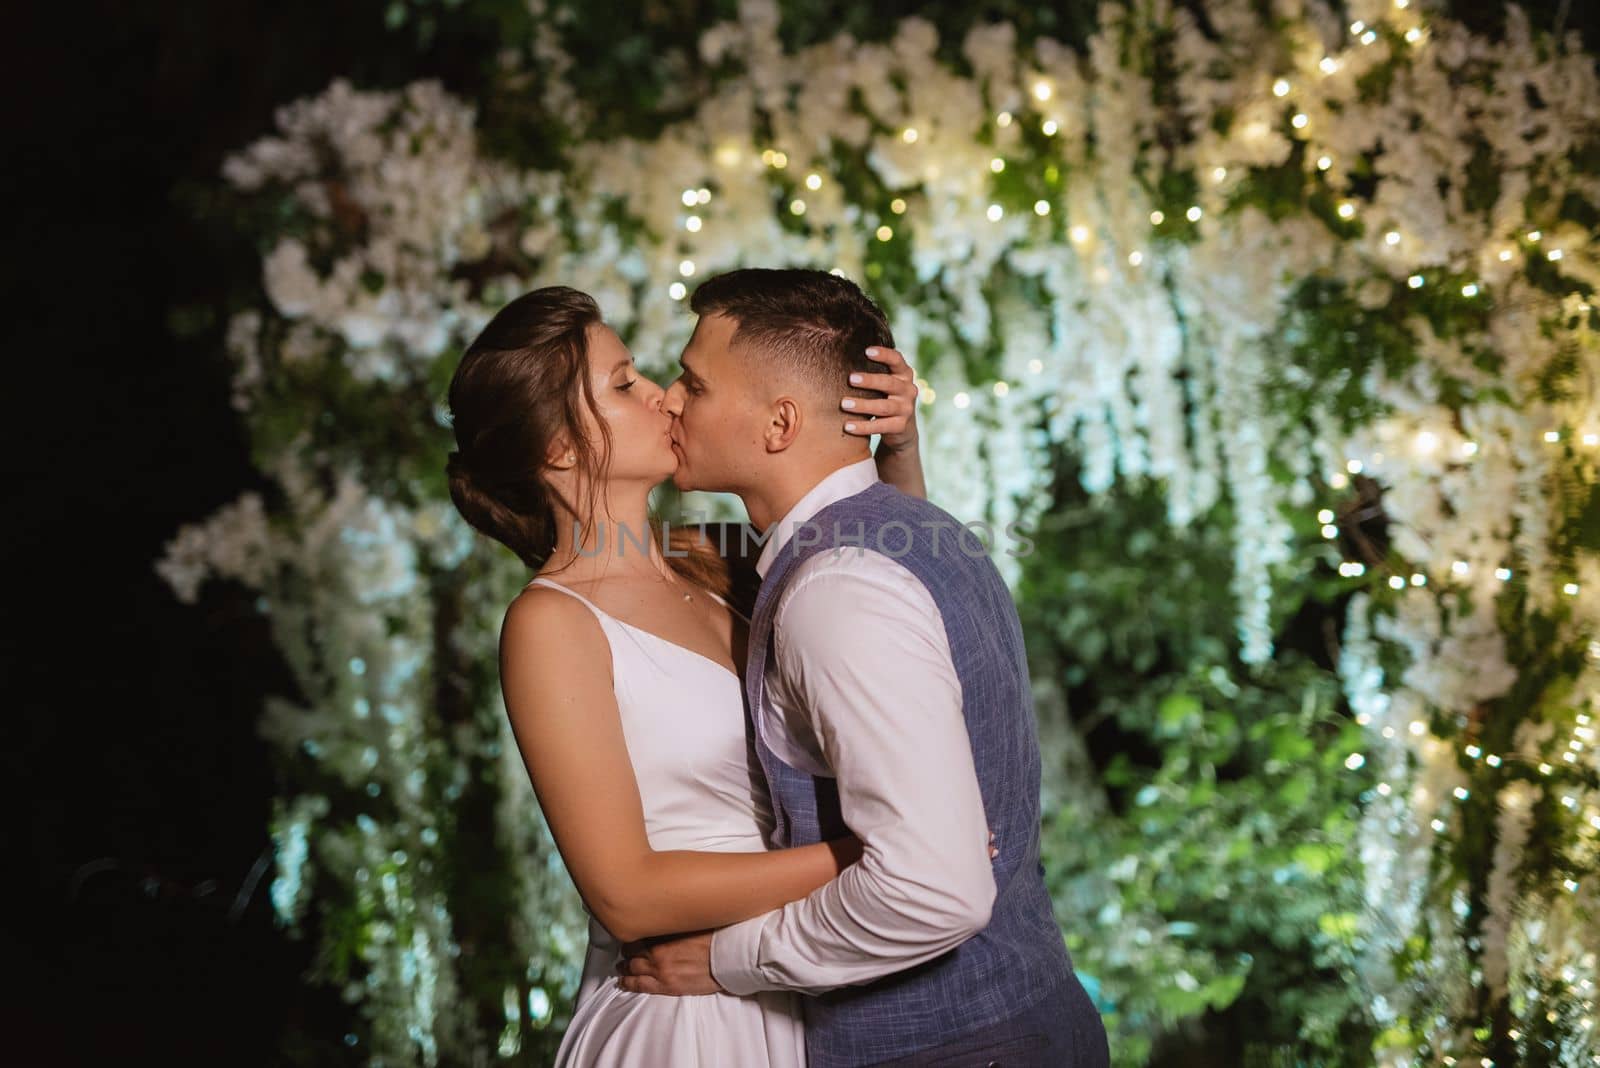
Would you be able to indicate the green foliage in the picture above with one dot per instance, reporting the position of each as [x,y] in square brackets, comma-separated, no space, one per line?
[1205,876]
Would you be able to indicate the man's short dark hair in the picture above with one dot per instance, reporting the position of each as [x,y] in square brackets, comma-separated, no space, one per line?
[820,323]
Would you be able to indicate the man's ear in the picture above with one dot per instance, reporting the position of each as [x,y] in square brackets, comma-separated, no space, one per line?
[784,424]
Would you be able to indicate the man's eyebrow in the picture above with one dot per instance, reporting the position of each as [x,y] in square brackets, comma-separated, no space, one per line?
[688,372]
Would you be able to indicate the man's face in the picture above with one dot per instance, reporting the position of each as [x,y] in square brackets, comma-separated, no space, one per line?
[716,425]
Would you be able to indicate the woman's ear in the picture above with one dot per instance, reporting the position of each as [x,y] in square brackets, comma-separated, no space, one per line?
[561,455]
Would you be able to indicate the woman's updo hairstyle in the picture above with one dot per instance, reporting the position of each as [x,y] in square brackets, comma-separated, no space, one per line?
[519,386]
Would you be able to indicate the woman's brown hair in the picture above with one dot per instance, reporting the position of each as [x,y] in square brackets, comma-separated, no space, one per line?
[521,384]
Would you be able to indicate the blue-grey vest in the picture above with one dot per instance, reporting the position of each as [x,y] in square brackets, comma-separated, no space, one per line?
[1020,956]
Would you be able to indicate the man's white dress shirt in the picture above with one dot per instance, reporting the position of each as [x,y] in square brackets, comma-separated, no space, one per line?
[861,687]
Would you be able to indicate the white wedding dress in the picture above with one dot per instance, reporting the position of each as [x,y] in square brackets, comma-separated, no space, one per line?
[684,723]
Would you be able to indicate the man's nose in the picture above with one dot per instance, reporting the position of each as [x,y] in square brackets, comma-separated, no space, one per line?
[672,400]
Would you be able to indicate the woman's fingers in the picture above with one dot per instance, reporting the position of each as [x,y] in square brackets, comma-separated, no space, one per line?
[865,428]
[870,406]
[891,384]
[890,358]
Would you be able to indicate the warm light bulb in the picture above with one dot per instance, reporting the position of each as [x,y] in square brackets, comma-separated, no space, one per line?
[1041,207]
[995,212]
[692,224]
[909,136]
[885,233]
[676,290]
[1157,218]
[1193,214]
[1280,87]
[997,165]
[813,182]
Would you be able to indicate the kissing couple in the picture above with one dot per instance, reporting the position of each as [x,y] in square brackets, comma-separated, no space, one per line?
[806,834]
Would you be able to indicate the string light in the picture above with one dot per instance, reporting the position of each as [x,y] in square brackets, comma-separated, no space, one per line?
[1078,234]
[690,198]
[1353,466]
[1552,436]
[797,206]
[1219,174]
[1346,210]
[995,213]
[1330,531]
[1357,26]
[1553,255]
[1003,119]
[962,400]
[1049,127]
[1035,366]
[1392,237]
[885,233]
[1328,65]
[1469,448]
[1493,760]
[1325,515]
[1193,214]
[1157,218]
[909,135]
[1135,258]
[997,165]
[1324,162]
[1415,281]
[1505,255]
[1280,87]
[1002,388]
[677,291]
[1300,120]
[1041,91]
[813,182]
[692,224]
[1469,290]
[1368,37]
[1041,207]
[1419,579]
[702,196]
[686,268]
[1534,236]
[1570,589]
[897,206]
[1413,35]
[1354,761]
[1397,583]
[1502,573]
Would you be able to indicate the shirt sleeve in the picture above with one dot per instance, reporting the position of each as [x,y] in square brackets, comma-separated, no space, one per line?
[861,661]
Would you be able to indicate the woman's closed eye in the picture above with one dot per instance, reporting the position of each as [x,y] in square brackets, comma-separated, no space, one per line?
[628,385]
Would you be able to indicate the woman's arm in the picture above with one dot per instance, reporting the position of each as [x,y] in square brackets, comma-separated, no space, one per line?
[555,674]
[899,460]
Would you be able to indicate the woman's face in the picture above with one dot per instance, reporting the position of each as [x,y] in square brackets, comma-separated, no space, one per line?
[630,405]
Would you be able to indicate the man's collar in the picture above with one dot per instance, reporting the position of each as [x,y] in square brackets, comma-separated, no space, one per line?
[846,481]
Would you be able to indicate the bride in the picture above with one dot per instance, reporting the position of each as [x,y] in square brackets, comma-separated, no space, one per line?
[620,664]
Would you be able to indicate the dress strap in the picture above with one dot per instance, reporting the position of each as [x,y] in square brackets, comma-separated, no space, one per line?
[570,592]
[729,607]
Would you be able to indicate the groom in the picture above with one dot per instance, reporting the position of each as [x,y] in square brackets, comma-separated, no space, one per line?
[889,695]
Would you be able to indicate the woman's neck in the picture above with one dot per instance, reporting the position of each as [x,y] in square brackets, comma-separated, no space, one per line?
[616,542]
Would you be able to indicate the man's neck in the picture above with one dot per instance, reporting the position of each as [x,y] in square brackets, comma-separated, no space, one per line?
[773,500]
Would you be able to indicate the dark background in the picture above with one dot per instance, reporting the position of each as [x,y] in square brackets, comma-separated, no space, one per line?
[142,791]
